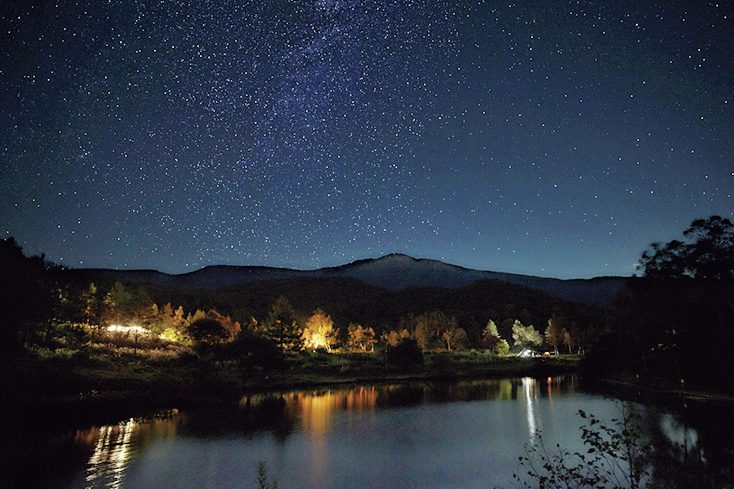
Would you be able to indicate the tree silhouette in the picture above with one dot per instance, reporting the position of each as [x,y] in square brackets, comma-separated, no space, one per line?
[281,326]
[707,252]
[25,293]
[676,321]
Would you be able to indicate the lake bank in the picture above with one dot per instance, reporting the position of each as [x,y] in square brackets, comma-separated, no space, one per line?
[99,387]
[665,390]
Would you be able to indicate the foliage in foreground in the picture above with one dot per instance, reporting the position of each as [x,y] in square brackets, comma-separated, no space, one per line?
[615,457]
[263,480]
[620,456]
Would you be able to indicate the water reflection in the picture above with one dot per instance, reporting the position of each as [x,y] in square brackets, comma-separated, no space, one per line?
[115,445]
[111,453]
[530,388]
[314,409]
[417,434]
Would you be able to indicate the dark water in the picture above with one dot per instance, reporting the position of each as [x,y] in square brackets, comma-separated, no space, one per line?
[419,435]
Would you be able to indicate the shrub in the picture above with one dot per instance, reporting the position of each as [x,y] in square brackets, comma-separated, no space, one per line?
[254,351]
[615,456]
[207,332]
[405,354]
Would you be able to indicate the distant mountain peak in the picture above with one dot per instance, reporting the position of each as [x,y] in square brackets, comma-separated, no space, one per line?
[394,271]
[395,257]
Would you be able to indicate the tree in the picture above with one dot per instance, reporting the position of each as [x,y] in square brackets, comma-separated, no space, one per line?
[253,351]
[525,336]
[553,334]
[676,320]
[151,319]
[405,354]
[568,339]
[428,327]
[26,293]
[281,326]
[502,347]
[118,304]
[491,337]
[362,338]
[319,332]
[579,335]
[173,323]
[207,332]
[455,338]
[230,326]
[707,251]
[391,338]
[91,306]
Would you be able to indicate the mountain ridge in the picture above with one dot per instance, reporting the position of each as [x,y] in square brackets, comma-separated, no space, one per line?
[395,271]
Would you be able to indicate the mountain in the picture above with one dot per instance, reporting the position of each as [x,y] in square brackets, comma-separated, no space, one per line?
[392,272]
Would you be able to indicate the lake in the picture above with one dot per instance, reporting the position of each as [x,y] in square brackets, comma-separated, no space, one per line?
[466,434]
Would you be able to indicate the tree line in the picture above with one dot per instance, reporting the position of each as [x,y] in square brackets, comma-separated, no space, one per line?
[675,321]
[292,330]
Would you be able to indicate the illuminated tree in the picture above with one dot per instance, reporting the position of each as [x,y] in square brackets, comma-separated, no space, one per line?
[490,336]
[568,339]
[455,338]
[179,318]
[151,318]
[231,326]
[174,325]
[119,304]
[502,347]
[192,318]
[554,334]
[319,332]
[166,320]
[525,336]
[391,338]
[281,326]
[362,338]
[428,327]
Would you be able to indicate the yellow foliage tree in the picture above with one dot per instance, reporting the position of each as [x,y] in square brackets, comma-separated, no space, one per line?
[361,337]
[319,331]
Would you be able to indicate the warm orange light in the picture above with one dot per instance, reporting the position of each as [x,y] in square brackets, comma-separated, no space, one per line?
[119,328]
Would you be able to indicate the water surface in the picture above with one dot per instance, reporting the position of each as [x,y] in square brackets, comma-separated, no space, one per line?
[417,435]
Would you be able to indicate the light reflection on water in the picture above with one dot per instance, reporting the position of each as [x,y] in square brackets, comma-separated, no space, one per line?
[115,446]
[463,434]
[531,394]
[307,412]
[111,453]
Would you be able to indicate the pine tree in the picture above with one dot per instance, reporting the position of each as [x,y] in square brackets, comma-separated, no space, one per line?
[281,326]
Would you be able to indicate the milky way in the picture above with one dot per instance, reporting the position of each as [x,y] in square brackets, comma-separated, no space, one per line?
[554,140]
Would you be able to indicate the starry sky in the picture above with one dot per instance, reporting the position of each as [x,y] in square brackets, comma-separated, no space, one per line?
[546,138]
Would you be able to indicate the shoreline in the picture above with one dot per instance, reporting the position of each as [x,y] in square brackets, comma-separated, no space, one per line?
[663,390]
[138,396]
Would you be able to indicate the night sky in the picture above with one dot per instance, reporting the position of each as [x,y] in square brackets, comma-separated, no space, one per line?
[546,138]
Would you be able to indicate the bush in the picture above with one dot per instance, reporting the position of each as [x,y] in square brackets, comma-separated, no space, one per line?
[206,333]
[614,456]
[405,354]
[254,351]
